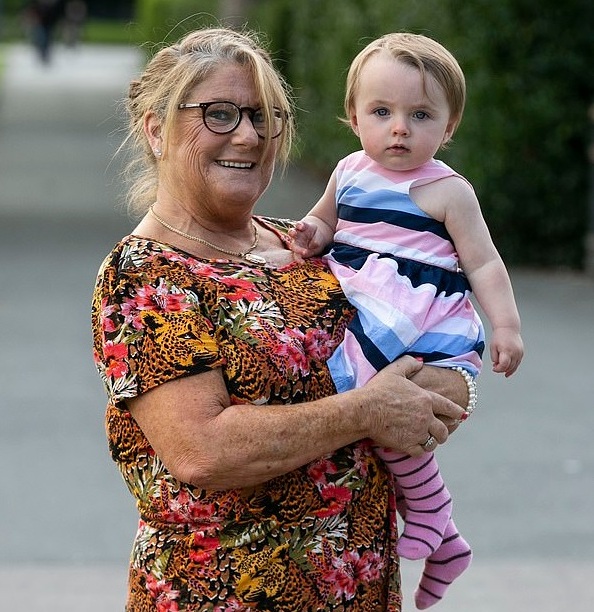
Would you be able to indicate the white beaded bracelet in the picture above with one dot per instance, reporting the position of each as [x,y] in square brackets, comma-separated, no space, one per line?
[471,386]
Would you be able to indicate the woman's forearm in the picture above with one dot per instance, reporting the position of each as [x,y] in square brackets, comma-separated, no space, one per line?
[262,442]
[247,445]
[213,445]
[205,441]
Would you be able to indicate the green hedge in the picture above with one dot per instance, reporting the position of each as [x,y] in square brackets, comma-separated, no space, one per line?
[165,21]
[525,136]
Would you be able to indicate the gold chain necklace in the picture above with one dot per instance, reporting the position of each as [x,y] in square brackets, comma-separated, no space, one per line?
[247,255]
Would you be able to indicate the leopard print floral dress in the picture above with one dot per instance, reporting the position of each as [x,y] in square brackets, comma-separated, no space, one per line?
[319,538]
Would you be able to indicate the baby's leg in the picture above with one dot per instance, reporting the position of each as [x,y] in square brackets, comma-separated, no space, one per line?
[443,567]
[428,502]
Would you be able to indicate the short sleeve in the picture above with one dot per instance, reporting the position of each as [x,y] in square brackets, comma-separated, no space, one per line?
[149,324]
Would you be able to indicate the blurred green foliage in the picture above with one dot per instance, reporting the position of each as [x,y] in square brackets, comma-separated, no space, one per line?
[108,32]
[526,131]
[165,21]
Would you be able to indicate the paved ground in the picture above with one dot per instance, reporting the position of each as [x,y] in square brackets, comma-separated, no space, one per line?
[522,471]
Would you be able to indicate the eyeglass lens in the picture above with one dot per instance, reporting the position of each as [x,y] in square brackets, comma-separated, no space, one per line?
[224,117]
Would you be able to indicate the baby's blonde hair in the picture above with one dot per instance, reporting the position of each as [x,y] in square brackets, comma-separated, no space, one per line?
[420,52]
[168,79]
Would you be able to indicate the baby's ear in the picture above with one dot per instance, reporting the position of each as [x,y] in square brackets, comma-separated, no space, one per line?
[449,131]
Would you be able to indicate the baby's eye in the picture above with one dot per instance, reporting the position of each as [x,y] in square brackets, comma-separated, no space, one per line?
[420,115]
[381,112]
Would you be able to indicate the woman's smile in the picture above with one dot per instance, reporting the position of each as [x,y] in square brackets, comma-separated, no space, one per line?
[239,165]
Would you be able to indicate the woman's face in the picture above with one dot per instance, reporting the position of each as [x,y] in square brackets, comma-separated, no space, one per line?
[221,175]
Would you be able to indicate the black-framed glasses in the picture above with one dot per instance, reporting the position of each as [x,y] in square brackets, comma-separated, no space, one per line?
[224,117]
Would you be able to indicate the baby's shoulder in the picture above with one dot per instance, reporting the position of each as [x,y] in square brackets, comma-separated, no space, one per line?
[439,197]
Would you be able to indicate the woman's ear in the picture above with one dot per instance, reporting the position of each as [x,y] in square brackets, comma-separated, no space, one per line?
[152,130]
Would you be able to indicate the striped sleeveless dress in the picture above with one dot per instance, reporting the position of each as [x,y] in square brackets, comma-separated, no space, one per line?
[399,268]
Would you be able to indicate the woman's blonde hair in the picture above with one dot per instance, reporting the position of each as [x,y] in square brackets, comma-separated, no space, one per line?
[168,79]
[418,51]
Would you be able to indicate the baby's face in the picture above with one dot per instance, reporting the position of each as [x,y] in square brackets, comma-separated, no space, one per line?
[401,119]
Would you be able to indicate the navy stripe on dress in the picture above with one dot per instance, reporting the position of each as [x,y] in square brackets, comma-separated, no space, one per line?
[393,217]
[372,353]
[447,282]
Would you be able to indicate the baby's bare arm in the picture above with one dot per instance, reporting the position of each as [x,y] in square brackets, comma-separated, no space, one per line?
[316,230]
[487,275]
[309,237]
[453,201]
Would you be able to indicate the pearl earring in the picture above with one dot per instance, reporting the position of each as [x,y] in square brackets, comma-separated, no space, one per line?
[158,153]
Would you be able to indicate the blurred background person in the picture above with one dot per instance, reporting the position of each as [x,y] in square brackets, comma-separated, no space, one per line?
[41,18]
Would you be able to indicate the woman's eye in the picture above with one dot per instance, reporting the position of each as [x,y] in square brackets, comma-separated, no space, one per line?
[219,115]
[259,118]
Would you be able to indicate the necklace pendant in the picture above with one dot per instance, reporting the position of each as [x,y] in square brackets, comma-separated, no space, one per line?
[255,259]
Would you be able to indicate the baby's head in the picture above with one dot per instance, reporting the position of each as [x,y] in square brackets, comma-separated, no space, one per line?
[422,53]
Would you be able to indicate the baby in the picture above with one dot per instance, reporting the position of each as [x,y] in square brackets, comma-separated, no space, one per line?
[409,244]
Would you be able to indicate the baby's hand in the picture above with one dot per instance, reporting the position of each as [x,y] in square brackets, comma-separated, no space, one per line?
[303,240]
[507,350]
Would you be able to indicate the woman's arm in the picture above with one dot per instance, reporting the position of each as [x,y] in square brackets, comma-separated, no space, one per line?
[205,441]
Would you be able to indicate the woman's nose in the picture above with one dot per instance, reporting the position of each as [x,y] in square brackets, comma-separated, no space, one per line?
[245,131]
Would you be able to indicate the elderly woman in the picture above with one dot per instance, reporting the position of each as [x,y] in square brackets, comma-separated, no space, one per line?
[256,483]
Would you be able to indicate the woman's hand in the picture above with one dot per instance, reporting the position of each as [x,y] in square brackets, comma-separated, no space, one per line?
[403,414]
[447,383]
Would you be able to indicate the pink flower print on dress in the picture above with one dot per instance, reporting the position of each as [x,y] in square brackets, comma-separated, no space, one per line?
[115,355]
